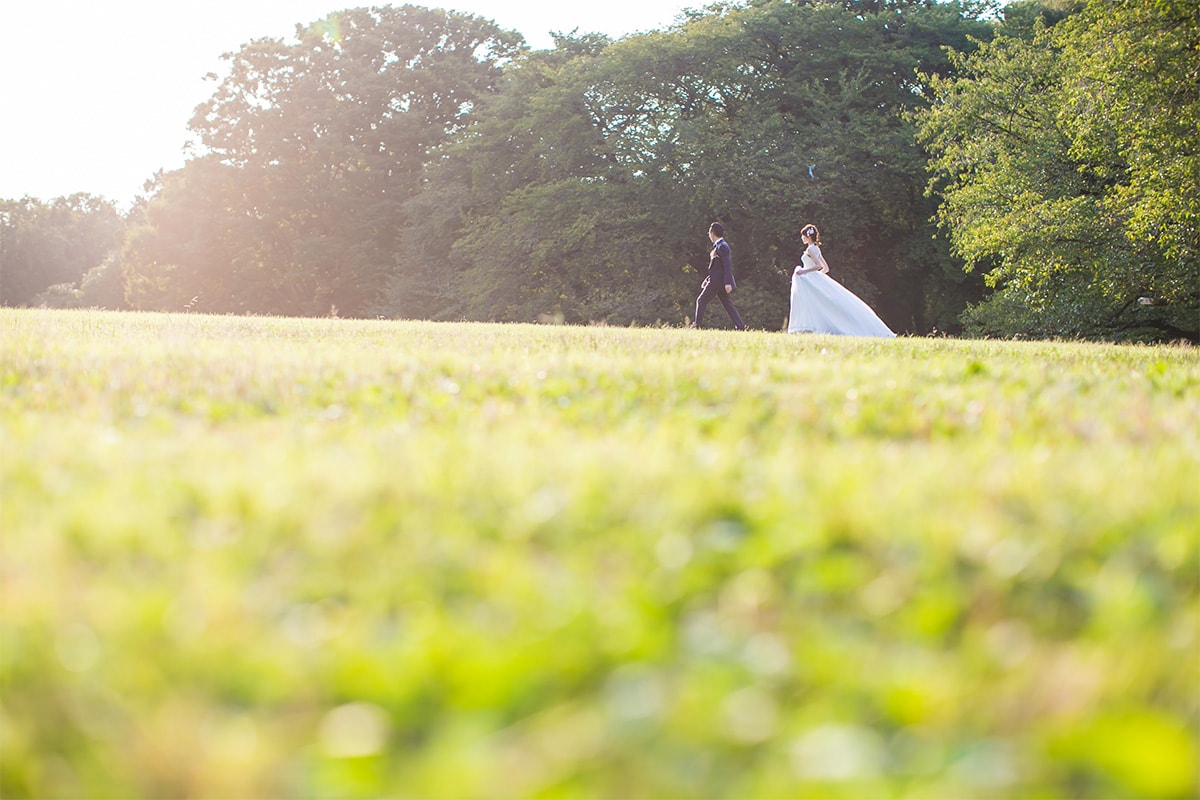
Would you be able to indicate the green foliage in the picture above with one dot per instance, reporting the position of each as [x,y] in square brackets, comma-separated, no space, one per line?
[189,247]
[104,286]
[43,244]
[1065,157]
[310,148]
[416,163]
[1134,118]
[60,295]
[650,138]
[555,249]
[267,557]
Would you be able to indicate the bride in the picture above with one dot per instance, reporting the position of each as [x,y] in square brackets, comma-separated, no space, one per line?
[822,305]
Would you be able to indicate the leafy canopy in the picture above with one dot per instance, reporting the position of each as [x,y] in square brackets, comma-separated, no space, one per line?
[1066,159]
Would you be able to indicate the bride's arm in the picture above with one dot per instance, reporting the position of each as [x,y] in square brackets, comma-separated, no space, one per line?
[818,258]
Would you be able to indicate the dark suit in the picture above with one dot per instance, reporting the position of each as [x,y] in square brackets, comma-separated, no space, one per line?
[720,275]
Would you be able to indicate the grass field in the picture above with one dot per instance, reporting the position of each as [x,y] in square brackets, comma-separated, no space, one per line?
[276,558]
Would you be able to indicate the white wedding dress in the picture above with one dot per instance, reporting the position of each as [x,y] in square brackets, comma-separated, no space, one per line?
[822,305]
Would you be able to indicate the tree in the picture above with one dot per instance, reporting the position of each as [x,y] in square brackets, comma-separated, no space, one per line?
[654,136]
[310,150]
[104,286]
[1066,157]
[1134,110]
[199,244]
[43,244]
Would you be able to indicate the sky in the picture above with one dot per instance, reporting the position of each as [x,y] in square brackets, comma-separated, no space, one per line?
[97,94]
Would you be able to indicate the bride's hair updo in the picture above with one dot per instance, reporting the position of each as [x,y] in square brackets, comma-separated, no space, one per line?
[811,232]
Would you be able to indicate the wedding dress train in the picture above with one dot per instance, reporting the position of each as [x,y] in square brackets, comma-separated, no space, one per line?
[822,305]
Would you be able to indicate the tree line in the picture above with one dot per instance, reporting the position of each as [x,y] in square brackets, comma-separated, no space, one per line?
[1024,171]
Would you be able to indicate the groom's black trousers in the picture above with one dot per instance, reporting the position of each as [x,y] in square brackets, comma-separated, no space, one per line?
[712,289]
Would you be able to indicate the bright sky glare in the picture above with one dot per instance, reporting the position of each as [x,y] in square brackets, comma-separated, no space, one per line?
[98,93]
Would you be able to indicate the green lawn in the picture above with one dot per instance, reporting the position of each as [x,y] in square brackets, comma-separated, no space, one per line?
[260,557]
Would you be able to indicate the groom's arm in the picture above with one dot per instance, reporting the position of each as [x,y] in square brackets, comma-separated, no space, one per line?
[727,264]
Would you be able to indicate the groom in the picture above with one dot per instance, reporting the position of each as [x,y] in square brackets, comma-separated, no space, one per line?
[719,283]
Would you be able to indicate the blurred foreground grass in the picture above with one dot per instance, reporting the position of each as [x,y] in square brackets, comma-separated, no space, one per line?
[246,558]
